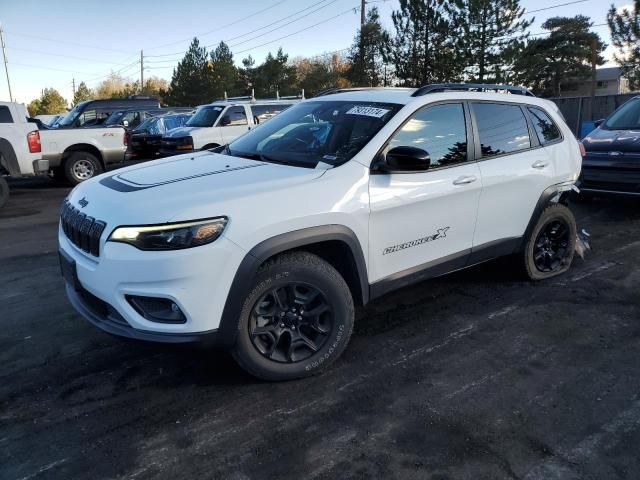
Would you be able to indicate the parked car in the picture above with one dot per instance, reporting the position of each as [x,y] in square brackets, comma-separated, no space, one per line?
[20,147]
[221,122]
[95,112]
[131,118]
[144,141]
[74,154]
[612,161]
[265,247]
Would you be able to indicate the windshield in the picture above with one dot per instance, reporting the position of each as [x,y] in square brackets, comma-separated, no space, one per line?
[205,117]
[626,117]
[115,118]
[71,116]
[313,132]
[150,125]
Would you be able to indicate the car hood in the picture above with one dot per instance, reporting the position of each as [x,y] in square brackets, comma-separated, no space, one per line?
[180,132]
[182,187]
[601,140]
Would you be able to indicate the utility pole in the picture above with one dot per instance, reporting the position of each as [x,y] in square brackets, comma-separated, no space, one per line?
[6,68]
[363,4]
[73,86]
[141,71]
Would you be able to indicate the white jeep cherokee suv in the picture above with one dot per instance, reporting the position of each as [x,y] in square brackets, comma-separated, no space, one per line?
[265,247]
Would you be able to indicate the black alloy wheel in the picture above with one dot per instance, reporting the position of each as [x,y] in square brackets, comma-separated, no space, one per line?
[291,322]
[551,248]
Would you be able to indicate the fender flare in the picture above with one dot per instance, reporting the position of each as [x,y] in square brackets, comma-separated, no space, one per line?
[558,193]
[10,159]
[229,322]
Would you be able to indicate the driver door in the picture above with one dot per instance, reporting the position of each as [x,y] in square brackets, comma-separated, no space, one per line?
[238,124]
[424,221]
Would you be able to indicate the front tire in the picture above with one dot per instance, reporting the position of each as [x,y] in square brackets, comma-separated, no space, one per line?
[296,319]
[4,192]
[81,166]
[551,244]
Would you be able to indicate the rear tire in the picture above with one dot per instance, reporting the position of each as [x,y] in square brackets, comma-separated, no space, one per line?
[4,192]
[296,319]
[81,166]
[551,244]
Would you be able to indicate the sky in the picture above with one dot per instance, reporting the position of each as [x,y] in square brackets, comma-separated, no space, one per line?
[51,43]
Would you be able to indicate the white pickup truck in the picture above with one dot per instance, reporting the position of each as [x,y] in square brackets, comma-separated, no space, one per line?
[76,154]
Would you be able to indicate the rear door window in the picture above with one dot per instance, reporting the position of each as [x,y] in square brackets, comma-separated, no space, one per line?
[5,115]
[502,128]
[546,129]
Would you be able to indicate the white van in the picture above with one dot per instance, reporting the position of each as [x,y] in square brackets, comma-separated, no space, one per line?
[221,122]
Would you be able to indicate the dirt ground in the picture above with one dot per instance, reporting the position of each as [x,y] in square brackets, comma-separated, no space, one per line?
[478,375]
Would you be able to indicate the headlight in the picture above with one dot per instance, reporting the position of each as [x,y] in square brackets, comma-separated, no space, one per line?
[171,236]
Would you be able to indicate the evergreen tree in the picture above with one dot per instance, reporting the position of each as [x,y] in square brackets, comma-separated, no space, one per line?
[423,48]
[487,33]
[49,103]
[223,74]
[275,75]
[625,36]
[83,93]
[548,64]
[366,54]
[190,85]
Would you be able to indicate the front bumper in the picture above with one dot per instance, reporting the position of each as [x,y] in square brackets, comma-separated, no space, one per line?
[197,280]
[606,175]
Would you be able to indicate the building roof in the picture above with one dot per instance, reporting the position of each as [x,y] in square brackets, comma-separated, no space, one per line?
[609,73]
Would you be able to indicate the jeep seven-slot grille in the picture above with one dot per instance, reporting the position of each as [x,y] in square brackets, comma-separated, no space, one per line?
[83,231]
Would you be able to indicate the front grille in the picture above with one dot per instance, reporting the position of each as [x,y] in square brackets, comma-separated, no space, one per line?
[83,231]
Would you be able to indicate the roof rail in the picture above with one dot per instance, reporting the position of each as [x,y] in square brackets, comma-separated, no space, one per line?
[334,90]
[252,98]
[481,87]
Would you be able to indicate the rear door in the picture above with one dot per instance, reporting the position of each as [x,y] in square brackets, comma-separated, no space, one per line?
[515,171]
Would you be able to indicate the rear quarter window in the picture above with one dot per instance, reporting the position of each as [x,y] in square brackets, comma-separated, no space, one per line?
[545,127]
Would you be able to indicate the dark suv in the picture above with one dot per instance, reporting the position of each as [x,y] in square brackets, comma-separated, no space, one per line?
[612,161]
[144,141]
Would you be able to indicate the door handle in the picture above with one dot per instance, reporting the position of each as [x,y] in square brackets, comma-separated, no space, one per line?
[465,179]
[540,164]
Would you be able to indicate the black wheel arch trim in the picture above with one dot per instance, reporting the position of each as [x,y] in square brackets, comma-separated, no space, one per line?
[229,323]
[558,193]
[10,159]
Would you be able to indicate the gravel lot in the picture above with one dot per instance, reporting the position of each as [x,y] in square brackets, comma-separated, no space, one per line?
[477,375]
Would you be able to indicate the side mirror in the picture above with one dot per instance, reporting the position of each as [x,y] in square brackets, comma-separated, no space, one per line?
[406,159]
[224,121]
[125,123]
[599,122]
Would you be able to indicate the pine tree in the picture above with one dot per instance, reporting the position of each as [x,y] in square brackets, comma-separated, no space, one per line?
[224,77]
[423,49]
[366,53]
[83,93]
[190,85]
[487,32]
[548,64]
[625,36]
[51,102]
[275,75]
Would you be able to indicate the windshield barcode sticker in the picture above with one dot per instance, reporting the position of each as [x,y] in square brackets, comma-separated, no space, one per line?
[368,111]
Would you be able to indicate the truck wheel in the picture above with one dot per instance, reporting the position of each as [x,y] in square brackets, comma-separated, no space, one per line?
[551,244]
[4,192]
[81,166]
[296,319]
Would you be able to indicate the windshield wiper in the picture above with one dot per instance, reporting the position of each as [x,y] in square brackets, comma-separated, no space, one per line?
[256,156]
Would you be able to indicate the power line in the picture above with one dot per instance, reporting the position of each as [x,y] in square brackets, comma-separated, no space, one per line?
[353,9]
[556,6]
[281,26]
[221,27]
[66,42]
[63,55]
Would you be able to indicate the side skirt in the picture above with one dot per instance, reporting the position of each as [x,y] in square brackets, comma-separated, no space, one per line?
[443,266]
